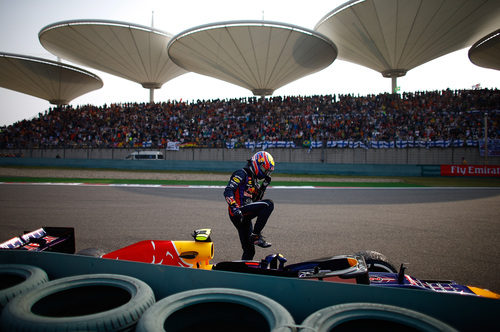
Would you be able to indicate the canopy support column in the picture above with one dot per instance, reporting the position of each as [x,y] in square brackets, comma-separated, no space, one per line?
[394,74]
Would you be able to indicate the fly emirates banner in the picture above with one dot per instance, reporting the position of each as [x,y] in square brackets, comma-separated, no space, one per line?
[470,170]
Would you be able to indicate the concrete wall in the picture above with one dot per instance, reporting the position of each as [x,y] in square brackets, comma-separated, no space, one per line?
[228,166]
[355,162]
[414,156]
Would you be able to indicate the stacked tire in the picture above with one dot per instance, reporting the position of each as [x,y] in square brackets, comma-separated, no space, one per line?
[371,316]
[216,309]
[112,302]
[94,302]
[16,279]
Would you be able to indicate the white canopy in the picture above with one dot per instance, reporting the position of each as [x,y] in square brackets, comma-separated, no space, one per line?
[50,80]
[394,36]
[261,56]
[134,52]
[486,51]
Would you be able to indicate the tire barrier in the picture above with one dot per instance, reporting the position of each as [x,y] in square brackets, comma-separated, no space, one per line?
[216,309]
[16,279]
[93,302]
[370,316]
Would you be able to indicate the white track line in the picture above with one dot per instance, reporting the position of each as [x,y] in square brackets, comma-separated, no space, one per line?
[174,186]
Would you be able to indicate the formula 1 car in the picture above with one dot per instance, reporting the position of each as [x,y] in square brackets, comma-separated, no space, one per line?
[365,267]
[57,239]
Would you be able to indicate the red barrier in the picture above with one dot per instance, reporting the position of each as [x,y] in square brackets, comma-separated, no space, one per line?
[470,170]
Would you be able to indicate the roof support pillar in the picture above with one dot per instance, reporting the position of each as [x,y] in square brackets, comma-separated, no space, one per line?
[394,74]
[151,87]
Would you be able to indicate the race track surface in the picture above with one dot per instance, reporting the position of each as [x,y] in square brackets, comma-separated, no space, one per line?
[442,233]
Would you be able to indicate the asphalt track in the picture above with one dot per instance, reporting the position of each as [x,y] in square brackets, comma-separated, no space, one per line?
[443,233]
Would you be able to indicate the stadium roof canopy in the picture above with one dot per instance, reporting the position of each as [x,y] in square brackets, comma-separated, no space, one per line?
[486,51]
[134,52]
[50,80]
[394,36]
[261,56]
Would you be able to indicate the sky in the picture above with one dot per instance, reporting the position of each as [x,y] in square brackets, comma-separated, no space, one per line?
[21,20]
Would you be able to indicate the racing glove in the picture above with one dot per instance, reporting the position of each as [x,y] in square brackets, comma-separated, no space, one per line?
[266,182]
[235,210]
[260,190]
[237,213]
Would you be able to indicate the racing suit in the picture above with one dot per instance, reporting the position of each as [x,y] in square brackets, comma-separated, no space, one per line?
[243,192]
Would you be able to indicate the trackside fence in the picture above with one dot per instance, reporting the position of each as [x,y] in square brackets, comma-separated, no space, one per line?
[361,162]
[415,156]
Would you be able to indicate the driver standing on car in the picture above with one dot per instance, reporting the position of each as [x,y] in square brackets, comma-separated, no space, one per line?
[244,195]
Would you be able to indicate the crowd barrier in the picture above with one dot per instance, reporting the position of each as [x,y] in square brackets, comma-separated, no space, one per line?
[228,166]
[116,295]
[374,162]
[414,156]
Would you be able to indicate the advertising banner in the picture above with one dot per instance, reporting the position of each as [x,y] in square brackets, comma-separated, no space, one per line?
[470,170]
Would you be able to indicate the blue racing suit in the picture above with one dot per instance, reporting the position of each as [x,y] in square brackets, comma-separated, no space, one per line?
[243,192]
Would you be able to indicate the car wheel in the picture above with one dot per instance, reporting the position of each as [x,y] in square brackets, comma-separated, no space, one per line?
[17,279]
[377,262]
[93,302]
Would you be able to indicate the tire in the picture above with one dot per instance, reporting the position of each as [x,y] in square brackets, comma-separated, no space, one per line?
[17,279]
[377,262]
[216,309]
[94,302]
[371,317]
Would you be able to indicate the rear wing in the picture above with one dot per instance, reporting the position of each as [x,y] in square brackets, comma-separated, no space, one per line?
[56,239]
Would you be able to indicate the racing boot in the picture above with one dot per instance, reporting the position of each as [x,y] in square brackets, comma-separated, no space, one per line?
[258,240]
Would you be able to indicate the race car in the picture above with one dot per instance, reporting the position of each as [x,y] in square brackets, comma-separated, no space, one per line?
[365,267]
[57,239]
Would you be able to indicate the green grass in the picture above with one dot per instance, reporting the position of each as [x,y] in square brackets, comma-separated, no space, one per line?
[278,180]
[452,181]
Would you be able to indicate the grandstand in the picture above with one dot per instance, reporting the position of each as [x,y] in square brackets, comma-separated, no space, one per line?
[412,121]
[279,54]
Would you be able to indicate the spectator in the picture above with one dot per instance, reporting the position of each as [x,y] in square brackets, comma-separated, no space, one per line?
[432,115]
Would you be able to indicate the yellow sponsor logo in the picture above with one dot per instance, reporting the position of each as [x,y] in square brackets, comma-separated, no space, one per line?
[237,180]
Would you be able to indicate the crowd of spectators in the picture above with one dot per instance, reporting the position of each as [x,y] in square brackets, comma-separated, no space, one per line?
[447,114]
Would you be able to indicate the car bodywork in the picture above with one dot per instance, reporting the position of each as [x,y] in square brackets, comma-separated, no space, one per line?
[198,253]
[57,239]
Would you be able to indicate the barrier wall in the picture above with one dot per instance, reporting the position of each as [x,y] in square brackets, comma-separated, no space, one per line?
[301,298]
[356,162]
[413,156]
[228,166]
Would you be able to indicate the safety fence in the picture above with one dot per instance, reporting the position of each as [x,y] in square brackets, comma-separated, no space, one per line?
[408,156]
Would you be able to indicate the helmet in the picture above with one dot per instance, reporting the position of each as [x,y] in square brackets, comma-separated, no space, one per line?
[262,164]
